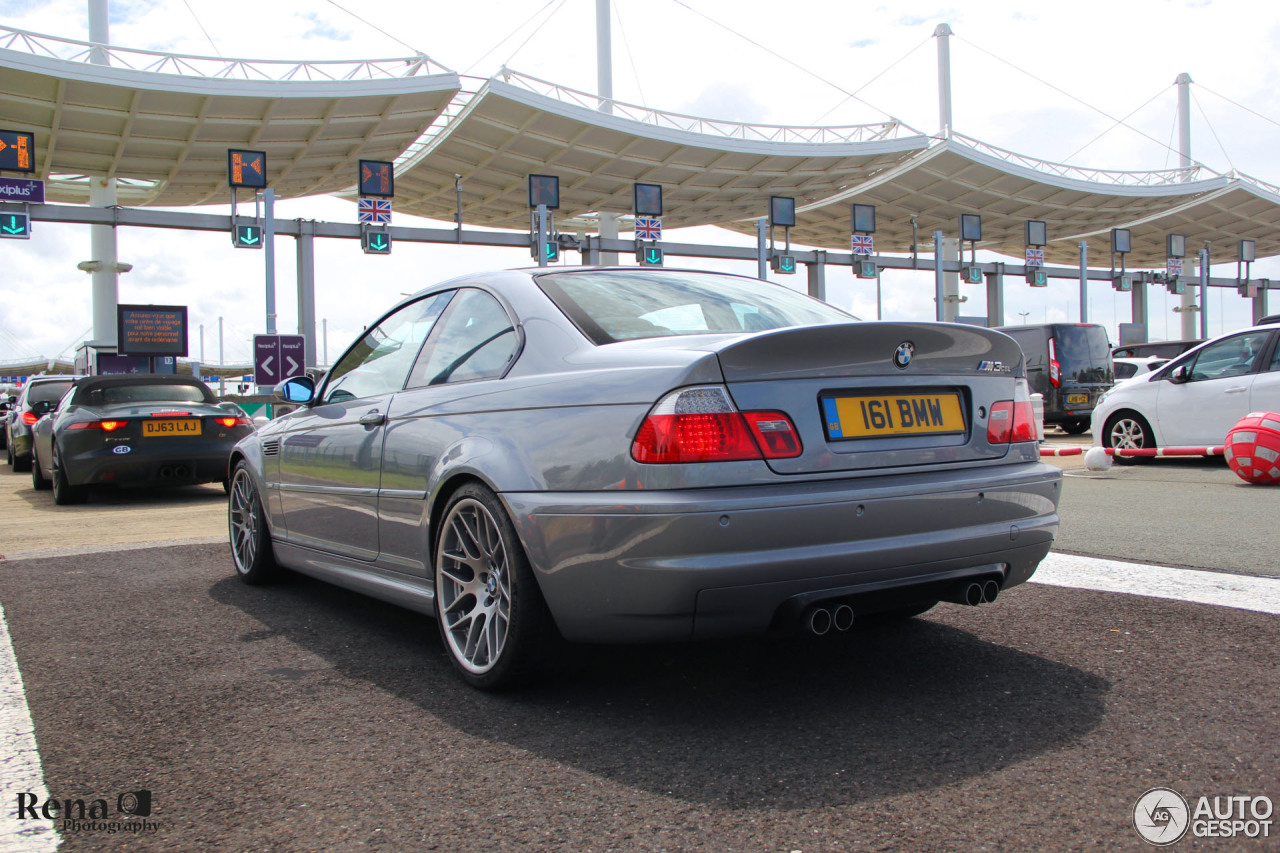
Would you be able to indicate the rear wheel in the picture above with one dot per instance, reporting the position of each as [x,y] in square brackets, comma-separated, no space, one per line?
[1128,431]
[493,619]
[8,446]
[64,494]
[19,463]
[1075,427]
[251,552]
[38,482]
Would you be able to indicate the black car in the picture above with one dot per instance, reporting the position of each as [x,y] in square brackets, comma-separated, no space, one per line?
[39,396]
[139,429]
[1068,363]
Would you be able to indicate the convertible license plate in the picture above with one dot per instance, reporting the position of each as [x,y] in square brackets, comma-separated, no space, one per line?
[1077,398]
[874,416]
[185,426]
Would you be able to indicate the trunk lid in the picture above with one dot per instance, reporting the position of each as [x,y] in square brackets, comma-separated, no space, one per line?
[877,395]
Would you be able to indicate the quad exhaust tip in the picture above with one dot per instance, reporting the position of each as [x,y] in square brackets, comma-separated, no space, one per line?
[973,593]
[819,620]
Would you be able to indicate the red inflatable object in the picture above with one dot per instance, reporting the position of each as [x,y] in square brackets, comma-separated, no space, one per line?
[1253,448]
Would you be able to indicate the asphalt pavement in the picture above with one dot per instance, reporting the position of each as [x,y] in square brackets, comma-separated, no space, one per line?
[299,717]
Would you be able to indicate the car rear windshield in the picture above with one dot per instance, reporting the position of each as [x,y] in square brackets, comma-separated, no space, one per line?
[1084,353]
[47,392]
[622,305]
[112,395]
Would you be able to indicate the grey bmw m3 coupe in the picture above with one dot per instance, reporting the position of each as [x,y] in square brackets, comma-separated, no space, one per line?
[636,454]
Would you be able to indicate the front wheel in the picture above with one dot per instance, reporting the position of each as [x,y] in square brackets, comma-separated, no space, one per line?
[1128,431]
[38,481]
[1075,427]
[251,552]
[493,619]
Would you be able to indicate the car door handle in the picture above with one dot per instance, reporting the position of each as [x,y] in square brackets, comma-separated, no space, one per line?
[374,418]
[1238,389]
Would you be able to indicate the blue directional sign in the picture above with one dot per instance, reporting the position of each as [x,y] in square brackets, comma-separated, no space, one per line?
[785,264]
[649,256]
[375,242]
[277,358]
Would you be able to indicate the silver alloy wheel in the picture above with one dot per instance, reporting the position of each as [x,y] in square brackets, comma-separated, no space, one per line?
[243,514]
[1127,434]
[474,586]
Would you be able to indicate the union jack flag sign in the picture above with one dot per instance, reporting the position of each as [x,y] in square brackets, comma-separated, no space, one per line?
[1174,266]
[863,244]
[375,211]
[1035,257]
[648,228]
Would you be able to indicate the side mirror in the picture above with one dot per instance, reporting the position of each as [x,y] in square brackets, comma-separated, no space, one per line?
[299,389]
[1180,374]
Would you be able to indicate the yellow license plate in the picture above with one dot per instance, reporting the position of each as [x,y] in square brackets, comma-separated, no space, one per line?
[1077,398]
[185,426]
[893,414]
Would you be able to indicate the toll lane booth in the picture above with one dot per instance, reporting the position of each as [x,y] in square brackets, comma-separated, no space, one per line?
[97,359]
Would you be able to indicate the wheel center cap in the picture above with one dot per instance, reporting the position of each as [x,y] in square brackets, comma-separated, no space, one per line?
[490,584]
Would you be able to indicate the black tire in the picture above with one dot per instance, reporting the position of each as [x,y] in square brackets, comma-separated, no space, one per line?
[251,551]
[8,452]
[64,494]
[1127,429]
[487,596]
[1075,427]
[38,482]
[21,464]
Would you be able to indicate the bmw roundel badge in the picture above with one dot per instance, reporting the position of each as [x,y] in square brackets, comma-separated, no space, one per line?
[902,355]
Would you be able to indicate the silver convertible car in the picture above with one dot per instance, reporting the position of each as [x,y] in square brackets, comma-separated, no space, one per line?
[625,455]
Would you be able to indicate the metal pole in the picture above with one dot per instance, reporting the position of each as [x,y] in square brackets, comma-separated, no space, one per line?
[1084,281]
[102,193]
[269,246]
[1204,292]
[943,35]
[939,285]
[202,343]
[818,276]
[324,324]
[1188,298]
[995,296]
[306,251]
[457,192]
[99,32]
[220,360]
[541,248]
[762,249]
[608,222]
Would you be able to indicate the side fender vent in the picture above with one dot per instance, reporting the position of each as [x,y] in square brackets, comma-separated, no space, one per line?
[271,447]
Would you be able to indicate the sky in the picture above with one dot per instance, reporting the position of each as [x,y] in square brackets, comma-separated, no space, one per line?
[1046,80]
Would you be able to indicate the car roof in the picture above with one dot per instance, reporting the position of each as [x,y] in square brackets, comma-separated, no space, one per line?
[93,383]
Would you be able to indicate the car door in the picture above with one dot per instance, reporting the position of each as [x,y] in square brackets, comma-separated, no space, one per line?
[1201,411]
[1264,395]
[331,452]
[470,350]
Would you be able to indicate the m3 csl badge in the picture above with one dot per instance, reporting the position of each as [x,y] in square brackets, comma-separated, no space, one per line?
[902,355]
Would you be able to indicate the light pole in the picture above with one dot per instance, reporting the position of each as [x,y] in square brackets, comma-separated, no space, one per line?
[1023,315]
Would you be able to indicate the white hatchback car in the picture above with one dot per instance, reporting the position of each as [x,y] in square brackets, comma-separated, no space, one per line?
[1195,399]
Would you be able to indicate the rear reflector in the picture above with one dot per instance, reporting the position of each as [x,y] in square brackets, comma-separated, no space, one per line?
[702,425]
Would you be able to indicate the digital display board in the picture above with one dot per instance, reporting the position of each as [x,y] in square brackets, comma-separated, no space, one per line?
[377,178]
[151,330]
[544,189]
[864,219]
[17,151]
[648,199]
[970,227]
[782,211]
[1121,241]
[1037,232]
[246,169]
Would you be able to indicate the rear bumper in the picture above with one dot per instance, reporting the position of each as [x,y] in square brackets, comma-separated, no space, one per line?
[647,566]
[173,467]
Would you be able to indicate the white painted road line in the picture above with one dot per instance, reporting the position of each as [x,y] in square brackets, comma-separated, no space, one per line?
[1243,592]
[20,770]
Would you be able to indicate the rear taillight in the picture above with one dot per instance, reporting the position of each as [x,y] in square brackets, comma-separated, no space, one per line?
[30,418]
[1012,420]
[702,425]
[230,422]
[105,426]
[1055,369]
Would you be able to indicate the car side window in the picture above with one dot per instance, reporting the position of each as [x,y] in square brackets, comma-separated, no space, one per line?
[380,361]
[1234,356]
[1275,359]
[475,340]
